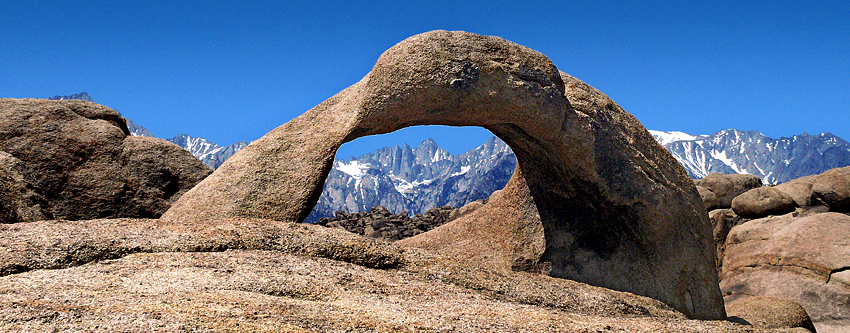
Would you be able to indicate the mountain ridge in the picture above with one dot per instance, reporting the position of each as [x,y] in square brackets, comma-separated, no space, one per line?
[403,178]
[774,160]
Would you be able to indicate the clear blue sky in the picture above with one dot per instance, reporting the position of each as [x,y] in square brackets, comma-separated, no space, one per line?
[231,71]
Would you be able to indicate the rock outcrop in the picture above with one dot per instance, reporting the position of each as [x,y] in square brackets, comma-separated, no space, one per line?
[250,275]
[769,312]
[724,188]
[75,160]
[594,196]
[803,259]
[787,241]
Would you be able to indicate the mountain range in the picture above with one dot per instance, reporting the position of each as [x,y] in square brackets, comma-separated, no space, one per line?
[774,160]
[417,179]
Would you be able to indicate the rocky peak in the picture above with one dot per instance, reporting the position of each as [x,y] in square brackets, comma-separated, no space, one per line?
[81,96]
[196,146]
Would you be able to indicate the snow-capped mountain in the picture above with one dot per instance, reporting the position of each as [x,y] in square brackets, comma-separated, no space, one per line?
[216,157]
[774,160]
[415,179]
[207,151]
[138,130]
[196,146]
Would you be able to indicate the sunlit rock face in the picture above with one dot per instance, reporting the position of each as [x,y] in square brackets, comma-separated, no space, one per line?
[594,197]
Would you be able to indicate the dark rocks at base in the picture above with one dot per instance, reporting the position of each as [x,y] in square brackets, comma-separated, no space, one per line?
[379,222]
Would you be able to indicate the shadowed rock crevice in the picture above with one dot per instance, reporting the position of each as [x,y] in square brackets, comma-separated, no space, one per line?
[593,193]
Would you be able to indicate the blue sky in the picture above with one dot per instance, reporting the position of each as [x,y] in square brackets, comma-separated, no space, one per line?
[232,71]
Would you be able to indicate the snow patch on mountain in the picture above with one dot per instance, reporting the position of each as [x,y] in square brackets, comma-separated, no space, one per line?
[774,160]
[667,137]
[463,171]
[354,168]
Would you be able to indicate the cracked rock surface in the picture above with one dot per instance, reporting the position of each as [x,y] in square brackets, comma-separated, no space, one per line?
[594,196]
[76,160]
[252,275]
[804,259]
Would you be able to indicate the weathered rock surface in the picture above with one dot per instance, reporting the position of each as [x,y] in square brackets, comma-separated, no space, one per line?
[762,201]
[833,187]
[261,275]
[769,312]
[77,161]
[726,187]
[722,221]
[708,198]
[618,211]
[805,259]
[18,202]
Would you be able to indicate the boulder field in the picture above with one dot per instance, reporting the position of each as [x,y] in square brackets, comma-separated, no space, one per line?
[790,242]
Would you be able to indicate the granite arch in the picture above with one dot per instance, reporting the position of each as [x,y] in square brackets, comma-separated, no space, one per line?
[593,199]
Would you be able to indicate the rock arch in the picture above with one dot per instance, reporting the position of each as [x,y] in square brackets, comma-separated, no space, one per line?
[594,197]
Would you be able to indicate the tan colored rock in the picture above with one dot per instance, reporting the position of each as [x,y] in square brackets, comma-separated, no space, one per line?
[617,209]
[761,202]
[727,187]
[708,198]
[78,161]
[833,186]
[249,275]
[722,221]
[18,202]
[798,258]
[800,190]
[769,312]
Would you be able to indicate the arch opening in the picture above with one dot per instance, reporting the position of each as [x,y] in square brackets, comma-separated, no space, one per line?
[450,166]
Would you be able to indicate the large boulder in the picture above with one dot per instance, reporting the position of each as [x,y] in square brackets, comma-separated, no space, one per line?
[800,191]
[250,275]
[769,312]
[762,201]
[76,160]
[833,186]
[594,197]
[726,187]
[17,201]
[804,259]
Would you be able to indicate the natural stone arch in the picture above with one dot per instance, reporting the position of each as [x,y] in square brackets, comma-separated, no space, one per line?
[593,194]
